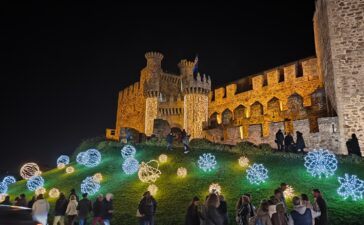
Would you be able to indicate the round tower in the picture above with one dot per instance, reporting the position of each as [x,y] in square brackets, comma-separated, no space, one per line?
[186,67]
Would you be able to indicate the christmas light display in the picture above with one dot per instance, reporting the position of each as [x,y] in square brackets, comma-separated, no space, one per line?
[89,186]
[243,161]
[215,188]
[289,192]
[321,162]
[40,190]
[351,186]
[54,193]
[82,158]
[3,188]
[60,166]
[130,166]
[147,173]
[29,169]
[163,158]
[94,158]
[257,174]
[70,169]
[153,189]
[2,197]
[182,172]
[207,162]
[65,159]
[34,182]
[9,180]
[128,151]
[97,177]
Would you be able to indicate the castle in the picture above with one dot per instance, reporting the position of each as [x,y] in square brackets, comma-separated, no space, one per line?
[321,96]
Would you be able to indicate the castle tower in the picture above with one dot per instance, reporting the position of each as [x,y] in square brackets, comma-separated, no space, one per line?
[150,77]
[339,32]
[195,92]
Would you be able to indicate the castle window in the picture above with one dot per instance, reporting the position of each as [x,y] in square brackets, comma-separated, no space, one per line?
[299,72]
[281,76]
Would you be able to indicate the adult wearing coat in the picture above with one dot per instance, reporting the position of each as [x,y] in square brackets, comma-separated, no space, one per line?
[279,140]
[108,208]
[40,210]
[211,214]
[300,142]
[84,207]
[288,141]
[60,209]
[320,205]
[147,209]
[353,145]
[193,215]
[243,210]
[22,201]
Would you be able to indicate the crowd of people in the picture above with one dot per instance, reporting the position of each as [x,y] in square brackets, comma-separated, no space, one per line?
[286,143]
[184,138]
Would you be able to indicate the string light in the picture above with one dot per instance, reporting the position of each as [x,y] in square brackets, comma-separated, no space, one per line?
[29,169]
[182,172]
[351,186]
[320,162]
[243,161]
[82,158]
[257,174]
[60,166]
[70,169]
[130,166]
[215,188]
[3,188]
[97,177]
[40,190]
[207,162]
[89,186]
[163,158]
[289,192]
[148,173]
[9,180]
[34,182]
[94,158]
[153,189]
[128,151]
[54,193]
[65,159]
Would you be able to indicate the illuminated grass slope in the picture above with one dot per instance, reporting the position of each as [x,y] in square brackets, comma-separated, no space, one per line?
[174,193]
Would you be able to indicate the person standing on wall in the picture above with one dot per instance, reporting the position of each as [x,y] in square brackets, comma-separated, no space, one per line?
[288,141]
[279,140]
[300,142]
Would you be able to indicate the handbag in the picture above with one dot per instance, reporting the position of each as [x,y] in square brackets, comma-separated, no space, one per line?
[138,213]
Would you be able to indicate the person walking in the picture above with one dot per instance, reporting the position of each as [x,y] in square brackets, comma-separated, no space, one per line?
[31,202]
[40,209]
[71,210]
[223,209]
[186,141]
[300,215]
[211,214]
[193,215]
[60,209]
[147,209]
[73,192]
[243,210]
[98,209]
[263,214]
[279,140]
[84,207]
[288,142]
[108,208]
[300,142]
[22,201]
[169,140]
[320,205]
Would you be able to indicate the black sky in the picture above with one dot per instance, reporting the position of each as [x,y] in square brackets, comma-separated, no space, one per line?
[62,66]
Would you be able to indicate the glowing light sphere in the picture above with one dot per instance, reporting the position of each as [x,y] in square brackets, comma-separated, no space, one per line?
[2,197]
[215,188]
[40,190]
[65,159]
[153,189]
[243,161]
[94,158]
[128,151]
[9,180]
[70,169]
[351,186]
[60,166]
[82,158]
[34,182]
[182,172]
[257,174]
[97,177]
[163,158]
[130,166]
[289,192]
[29,169]
[3,188]
[89,186]
[147,173]
[54,193]
[207,162]
[321,162]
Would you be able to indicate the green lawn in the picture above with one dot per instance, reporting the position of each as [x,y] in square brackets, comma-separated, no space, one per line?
[175,193]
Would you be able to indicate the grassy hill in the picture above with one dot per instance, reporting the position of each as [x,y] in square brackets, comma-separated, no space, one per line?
[175,193]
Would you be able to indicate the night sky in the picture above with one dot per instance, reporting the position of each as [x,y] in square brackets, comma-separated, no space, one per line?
[62,66]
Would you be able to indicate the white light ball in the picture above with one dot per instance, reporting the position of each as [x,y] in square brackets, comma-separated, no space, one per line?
[65,159]
[70,169]
[60,166]
[82,158]
[128,151]
[215,188]
[9,180]
[29,169]
[163,158]
[35,182]
[153,189]
[40,190]
[89,186]
[54,193]
[182,172]
[97,177]
[94,158]
[243,161]
[130,166]
[3,188]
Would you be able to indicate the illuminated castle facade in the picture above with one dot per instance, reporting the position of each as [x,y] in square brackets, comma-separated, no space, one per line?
[322,96]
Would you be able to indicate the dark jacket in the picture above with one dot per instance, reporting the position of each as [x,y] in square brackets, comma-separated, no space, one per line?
[192,216]
[148,207]
[288,140]
[84,207]
[223,211]
[169,138]
[212,216]
[98,208]
[107,207]
[244,214]
[323,218]
[300,142]
[22,202]
[60,207]
[31,202]
[279,137]
[353,146]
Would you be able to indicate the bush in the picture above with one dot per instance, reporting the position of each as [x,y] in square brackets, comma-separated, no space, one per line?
[206,144]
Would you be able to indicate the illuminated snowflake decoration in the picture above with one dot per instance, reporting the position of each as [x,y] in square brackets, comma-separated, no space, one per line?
[215,188]
[54,193]
[148,173]
[351,186]
[70,169]
[3,188]
[97,177]
[289,192]
[63,159]
[243,161]
[321,162]
[182,172]
[257,174]
[35,182]
[153,189]
[94,158]
[128,151]
[82,158]
[89,186]
[29,170]
[40,190]
[207,162]
[9,180]
[130,166]
[163,158]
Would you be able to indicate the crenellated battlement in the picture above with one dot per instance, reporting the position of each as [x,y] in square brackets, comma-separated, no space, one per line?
[200,84]
[131,91]
[154,55]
